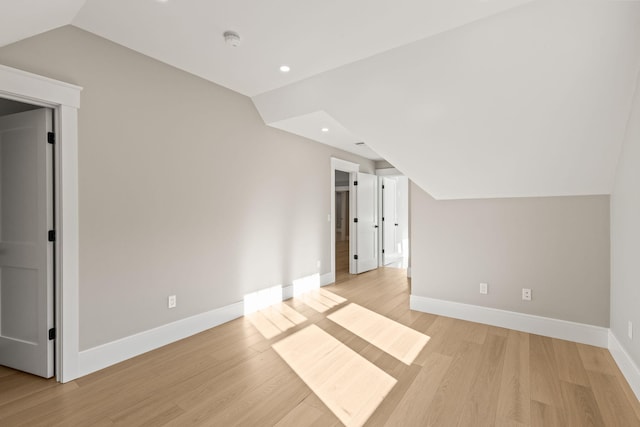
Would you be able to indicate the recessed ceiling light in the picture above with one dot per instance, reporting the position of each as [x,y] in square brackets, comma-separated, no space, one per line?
[285,68]
[162,1]
[325,129]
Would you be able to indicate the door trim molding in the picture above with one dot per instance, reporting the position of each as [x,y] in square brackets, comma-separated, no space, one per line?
[344,166]
[64,98]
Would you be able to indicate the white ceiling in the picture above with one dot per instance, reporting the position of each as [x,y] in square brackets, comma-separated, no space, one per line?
[470,98]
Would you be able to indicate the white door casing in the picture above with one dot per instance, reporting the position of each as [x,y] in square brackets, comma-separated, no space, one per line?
[64,98]
[26,255]
[366,211]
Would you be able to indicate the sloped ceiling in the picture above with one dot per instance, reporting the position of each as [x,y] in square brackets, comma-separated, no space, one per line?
[20,19]
[530,102]
[469,98]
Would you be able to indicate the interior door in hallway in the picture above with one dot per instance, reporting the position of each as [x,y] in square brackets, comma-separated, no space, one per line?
[26,255]
[390,239]
[367,222]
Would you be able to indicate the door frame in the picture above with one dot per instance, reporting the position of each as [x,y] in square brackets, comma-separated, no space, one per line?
[392,172]
[350,167]
[64,99]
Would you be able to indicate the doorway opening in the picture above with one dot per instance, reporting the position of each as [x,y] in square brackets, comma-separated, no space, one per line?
[64,99]
[342,227]
[394,211]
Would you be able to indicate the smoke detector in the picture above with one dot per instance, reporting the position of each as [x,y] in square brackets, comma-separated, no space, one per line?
[231,38]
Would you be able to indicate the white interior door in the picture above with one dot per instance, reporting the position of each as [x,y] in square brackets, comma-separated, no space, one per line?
[390,238]
[367,225]
[26,255]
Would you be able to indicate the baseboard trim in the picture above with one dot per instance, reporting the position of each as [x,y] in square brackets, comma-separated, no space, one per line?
[108,354]
[555,328]
[105,355]
[327,279]
[626,364]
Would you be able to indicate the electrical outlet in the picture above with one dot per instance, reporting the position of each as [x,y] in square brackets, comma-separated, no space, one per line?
[484,288]
[630,330]
[526,294]
[172,301]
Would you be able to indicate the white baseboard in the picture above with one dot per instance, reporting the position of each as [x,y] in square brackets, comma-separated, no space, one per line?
[626,364]
[327,279]
[108,354]
[562,329]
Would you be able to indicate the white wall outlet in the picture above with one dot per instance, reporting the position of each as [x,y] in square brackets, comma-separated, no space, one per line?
[484,288]
[630,330]
[526,294]
[172,301]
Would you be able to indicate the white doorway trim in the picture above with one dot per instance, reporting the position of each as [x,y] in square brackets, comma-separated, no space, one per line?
[344,166]
[64,98]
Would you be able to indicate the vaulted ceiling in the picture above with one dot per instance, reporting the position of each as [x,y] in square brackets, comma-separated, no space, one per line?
[469,98]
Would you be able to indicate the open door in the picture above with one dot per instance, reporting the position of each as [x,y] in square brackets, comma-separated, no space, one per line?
[26,255]
[366,213]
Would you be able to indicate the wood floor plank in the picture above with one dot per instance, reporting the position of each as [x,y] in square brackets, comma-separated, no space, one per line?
[570,368]
[481,405]
[614,411]
[514,397]
[543,415]
[451,395]
[544,377]
[411,409]
[596,359]
[581,407]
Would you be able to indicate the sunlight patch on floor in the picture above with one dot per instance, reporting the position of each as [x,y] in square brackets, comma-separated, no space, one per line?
[350,386]
[320,300]
[276,319]
[396,339]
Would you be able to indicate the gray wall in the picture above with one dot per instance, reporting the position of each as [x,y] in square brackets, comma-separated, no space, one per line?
[557,246]
[625,238]
[183,189]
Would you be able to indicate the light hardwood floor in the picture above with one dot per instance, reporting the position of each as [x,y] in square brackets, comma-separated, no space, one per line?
[468,374]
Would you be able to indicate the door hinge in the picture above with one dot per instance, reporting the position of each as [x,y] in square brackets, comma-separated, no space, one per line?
[51,137]
[52,235]
[355,257]
[383,218]
[52,333]
[383,186]
[355,219]
[383,251]
[355,182]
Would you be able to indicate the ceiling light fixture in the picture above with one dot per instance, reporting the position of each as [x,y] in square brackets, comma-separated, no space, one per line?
[231,38]
[325,129]
[285,68]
